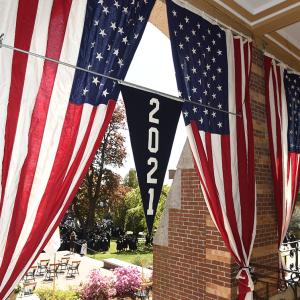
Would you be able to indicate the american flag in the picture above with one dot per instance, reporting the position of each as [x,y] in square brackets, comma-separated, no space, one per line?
[52,119]
[283,114]
[212,70]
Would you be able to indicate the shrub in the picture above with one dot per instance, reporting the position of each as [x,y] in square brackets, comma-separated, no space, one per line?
[127,281]
[47,293]
[98,287]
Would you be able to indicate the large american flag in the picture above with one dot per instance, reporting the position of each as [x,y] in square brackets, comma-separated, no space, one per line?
[283,116]
[52,118]
[212,69]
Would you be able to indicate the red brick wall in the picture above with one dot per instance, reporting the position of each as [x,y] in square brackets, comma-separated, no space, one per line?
[194,264]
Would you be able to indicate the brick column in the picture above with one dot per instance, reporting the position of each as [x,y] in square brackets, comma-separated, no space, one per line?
[190,259]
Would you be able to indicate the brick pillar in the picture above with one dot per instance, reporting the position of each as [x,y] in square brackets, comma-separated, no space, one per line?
[190,259]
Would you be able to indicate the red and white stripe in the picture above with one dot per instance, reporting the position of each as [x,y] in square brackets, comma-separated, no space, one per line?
[225,165]
[285,164]
[46,142]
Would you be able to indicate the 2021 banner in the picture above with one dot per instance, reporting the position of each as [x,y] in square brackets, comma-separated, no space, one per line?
[152,122]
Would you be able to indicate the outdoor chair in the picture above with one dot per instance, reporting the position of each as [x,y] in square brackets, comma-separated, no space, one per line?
[63,264]
[42,267]
[73,269]
[30,274]
[27,289]
[51,272]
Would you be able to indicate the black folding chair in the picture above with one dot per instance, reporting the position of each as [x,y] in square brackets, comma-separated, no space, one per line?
[73,269]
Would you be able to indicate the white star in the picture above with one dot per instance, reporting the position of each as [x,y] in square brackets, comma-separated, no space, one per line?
[116,4]
[120,30]
[116,52]
[194,109]
[208,30]
[198,26]
[219,70]
[187,58]
[100,2]
[136,36]
[219,87]
[120,62]
[207,67]
[201,120]
[208,49]
[125,10]
[193,32]
[213,77]
[186,113]
[95,80]
[102,32]
[205,111]
[220,106]
[96,22]
[220,124]
[113,25]
[105,93]
[179,93]
[187,77]
[84,92]
[205,74]
[213,114]
[213,42]
[214,96]
[194,51]
[174,13]
[180,46]
[180,26]
[125,40]
[105,10]
[141,18]
[219,35]
[93,44]
[205,92]
[194,70]
[99,56]
[194,90]
[187,38]
[203,37]
[213,59]
[219,52]
[186,19]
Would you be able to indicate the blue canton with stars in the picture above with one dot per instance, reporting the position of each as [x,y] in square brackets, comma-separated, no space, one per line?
[200,58]
[292,90]
[111,34]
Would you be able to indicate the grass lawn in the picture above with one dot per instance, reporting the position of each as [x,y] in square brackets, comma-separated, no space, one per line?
[142,256]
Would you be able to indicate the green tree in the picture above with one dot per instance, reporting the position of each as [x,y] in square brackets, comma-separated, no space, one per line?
[134,219]
[130,179]
[100,187]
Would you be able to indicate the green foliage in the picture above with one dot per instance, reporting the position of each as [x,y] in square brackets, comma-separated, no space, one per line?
[130,180]
[142,256]
[135,220]
[47,293]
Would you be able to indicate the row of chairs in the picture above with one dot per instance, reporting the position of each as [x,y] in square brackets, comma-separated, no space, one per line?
[50,270]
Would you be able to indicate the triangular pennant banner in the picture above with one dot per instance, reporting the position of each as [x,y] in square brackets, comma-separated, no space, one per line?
[152,122]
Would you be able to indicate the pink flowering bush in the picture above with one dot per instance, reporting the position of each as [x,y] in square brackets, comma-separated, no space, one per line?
[127,281]
[98,287]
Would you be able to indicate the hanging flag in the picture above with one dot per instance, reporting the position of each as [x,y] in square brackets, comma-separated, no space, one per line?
[212,68]
[152,122]
[53,118]
[283,116]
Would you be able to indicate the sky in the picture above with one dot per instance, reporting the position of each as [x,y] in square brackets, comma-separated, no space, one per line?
[152,67]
